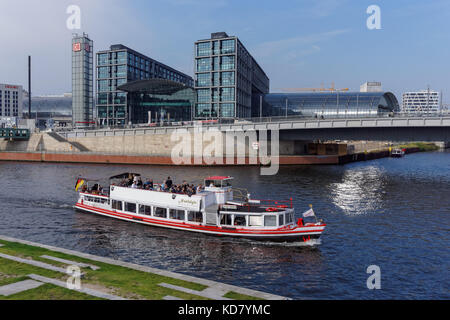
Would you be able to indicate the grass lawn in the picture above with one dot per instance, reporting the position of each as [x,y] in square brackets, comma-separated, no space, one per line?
[113,279]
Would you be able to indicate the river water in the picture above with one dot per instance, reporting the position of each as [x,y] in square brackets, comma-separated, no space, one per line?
[392,213]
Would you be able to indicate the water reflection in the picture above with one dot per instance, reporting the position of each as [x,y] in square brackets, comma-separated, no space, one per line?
[360,191]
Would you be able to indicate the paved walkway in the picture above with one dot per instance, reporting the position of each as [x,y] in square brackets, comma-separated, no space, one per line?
[72,263]
[88,291]
[210,293]
[18,287]
[33,263]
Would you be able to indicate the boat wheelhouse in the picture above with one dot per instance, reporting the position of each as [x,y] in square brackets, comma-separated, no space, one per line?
[217,209]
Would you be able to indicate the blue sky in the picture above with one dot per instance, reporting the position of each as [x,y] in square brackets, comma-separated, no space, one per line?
[298,43]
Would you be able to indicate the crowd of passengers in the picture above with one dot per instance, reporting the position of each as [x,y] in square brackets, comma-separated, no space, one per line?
[136,182]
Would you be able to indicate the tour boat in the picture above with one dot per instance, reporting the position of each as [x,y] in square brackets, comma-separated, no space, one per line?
[217,210]
[398,153]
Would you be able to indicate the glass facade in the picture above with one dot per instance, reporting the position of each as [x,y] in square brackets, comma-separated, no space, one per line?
[157,100]
[121,65]
[324,105]
[226,77]
[82,81]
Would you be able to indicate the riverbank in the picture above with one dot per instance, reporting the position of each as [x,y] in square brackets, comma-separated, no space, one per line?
[94,158]
[32,271]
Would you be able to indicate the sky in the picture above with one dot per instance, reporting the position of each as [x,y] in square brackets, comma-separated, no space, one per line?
[299,43]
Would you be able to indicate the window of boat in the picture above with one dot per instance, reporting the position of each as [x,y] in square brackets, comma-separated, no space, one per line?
[116,204]
[176,214]
[289,218]
[225,219]
[239,220]
[213,183]
[147,210]
[226,183]
[103,200]
[270,221]
[281,219]
[255,221]
[130,207]
[160,212]
[195,216]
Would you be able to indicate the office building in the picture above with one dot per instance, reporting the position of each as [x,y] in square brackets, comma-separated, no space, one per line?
[11,100]
[371,87]
[227,78]
[326,104]
[424,101]
[118,66]
[82,81]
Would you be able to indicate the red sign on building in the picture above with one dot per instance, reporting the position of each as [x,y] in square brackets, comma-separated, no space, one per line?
[77,47]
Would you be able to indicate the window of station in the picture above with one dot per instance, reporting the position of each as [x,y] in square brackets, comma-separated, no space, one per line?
[147,210]
[176,214]
[160,212]
[225,219]
[270,221]
[130,207]
[116,204]
[281,219]
[195,216]
[239,220]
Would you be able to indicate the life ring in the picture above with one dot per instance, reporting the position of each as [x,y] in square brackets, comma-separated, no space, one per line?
[271,209]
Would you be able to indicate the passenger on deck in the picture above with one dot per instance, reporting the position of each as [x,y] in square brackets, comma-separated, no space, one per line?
[199,189]
[139,183]
[169,183]
[148,185]
[134,185]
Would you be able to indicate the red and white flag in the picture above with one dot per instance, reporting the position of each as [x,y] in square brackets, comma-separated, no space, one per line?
[309,213]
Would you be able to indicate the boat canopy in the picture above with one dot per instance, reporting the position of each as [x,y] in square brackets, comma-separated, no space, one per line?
[219,178]
[218,181]
[125,175]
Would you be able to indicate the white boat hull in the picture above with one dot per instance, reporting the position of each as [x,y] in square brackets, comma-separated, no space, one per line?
[295,234]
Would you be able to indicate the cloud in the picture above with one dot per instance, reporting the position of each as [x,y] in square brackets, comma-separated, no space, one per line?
[38,28]
[293,48]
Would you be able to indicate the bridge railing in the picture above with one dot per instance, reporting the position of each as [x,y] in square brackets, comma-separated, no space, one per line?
[288,118]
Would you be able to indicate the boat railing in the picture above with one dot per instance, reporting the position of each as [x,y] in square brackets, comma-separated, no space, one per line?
[273,203]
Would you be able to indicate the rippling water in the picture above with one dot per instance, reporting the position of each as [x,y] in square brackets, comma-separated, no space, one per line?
[393,213]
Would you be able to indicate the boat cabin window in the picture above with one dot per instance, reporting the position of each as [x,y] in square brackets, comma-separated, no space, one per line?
[147,210]
[225,219]
[195,216]
[176,214]
[289,217]
[255,221]
[116,204]
[130,207]
[218,183]
[160,212]
[281,219]
[270,221]
[87,198]
[239,220]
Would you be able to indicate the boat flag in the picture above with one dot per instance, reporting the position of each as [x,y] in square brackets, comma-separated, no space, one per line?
[309,213]
[79,183]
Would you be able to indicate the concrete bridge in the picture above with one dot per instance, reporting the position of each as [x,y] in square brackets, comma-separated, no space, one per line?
[429,128]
